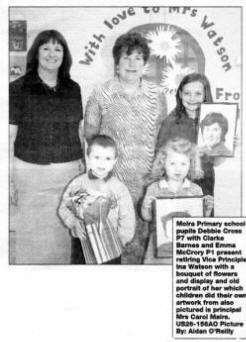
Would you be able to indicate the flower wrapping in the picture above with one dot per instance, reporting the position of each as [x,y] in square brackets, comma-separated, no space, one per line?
[103,243]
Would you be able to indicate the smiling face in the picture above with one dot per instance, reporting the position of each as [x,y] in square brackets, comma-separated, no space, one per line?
[212,134]
[177,166]
[130,67]
[192,95]
[101,160]
[50,56]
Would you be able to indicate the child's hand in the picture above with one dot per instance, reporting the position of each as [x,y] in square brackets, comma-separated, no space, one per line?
[236,141]
[76,209]
[208,204]
[149,201]
[71,206]
[79,230]
[218,160]
[146,209]
[202,150]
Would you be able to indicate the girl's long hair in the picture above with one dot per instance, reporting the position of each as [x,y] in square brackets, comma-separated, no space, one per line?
[179,145]
[194,77]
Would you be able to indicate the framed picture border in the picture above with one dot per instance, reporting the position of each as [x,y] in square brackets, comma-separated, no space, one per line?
[235,127]
[155,218]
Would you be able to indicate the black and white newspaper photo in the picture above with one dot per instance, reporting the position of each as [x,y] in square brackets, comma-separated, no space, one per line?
[123,171]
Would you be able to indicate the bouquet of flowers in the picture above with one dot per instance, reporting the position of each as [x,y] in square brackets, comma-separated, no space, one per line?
[102,243]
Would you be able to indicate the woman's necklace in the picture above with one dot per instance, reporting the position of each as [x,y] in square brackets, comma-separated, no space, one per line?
[50,86]
[50,83]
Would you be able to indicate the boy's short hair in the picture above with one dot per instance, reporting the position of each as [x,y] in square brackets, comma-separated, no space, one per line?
[103,141]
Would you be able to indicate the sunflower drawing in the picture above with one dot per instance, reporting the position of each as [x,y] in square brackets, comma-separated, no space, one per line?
[172,76]
[164,43]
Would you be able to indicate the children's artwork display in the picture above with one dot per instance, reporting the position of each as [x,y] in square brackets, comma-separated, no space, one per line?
[165,210]
[217,128]
[17,35]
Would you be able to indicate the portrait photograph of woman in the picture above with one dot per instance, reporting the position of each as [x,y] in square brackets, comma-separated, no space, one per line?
[217,129]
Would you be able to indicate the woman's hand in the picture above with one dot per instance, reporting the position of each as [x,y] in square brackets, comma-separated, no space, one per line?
[208,204]
[79,230]
[13,193]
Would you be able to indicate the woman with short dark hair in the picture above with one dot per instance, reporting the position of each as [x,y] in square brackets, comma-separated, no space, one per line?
[214,127]
[45,150]
[220,119]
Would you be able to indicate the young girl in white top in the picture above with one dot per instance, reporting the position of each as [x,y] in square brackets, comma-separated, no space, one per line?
[177,166]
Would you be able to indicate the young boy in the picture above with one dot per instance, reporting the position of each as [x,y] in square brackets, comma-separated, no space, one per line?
[98,200]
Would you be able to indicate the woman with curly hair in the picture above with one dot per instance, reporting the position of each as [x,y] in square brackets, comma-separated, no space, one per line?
[130,110]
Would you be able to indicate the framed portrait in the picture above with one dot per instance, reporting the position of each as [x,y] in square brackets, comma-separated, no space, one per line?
[17,35]
[165,210]
[217,128]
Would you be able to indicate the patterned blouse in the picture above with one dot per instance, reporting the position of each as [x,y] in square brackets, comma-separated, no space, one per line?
[133,121]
